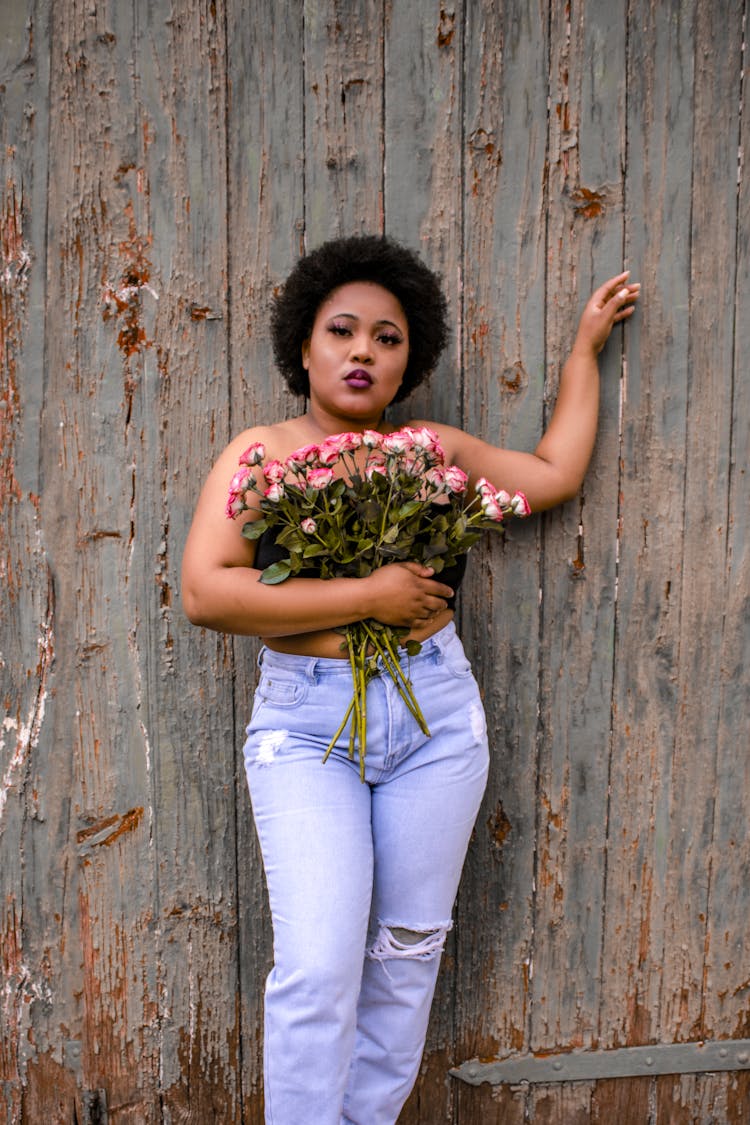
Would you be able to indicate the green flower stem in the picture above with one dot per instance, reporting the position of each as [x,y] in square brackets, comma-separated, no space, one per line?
[357,696]
[393,666]
[359,730]
[363,709]
[337,735]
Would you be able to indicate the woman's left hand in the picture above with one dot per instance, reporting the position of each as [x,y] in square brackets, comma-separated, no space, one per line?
[610,303]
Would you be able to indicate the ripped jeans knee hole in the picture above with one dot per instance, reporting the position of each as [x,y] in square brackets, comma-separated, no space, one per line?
[400,942]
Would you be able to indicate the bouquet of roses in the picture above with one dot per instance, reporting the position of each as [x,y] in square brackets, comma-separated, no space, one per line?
[352,504]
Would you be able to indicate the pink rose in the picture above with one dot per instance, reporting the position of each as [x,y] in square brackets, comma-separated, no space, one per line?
[237,488]
[484,488]
[520,505]
[274,492]
[306,455]
[346,442]
[378,468]
[274,472]
[397,442]
[235,505]
[328,453]
[435,478]
[503,498]
[424,439]
[372,439]
[309,526]
[320,478]
[456,479]
[491,508]
[240,480]
[254,454]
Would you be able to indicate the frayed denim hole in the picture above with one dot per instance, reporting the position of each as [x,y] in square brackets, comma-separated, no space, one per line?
[398,942]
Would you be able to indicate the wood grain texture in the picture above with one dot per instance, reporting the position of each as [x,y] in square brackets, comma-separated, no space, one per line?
[343,118]
[585,241]
[163,166]
[689,934]
[503,329]
[650,527]
[266,221]
[27,625]
[727,984]
[183,420]
[102,1020]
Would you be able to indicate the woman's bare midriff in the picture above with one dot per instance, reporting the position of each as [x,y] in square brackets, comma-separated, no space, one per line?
[327,642]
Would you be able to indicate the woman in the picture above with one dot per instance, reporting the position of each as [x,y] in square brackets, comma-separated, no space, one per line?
[362,878]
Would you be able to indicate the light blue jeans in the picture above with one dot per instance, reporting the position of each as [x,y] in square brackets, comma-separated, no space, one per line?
[361,877]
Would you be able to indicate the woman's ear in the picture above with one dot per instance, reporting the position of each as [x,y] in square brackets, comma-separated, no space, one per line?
[306,354]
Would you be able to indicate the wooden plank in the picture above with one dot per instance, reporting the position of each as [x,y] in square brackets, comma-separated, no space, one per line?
[26,592]
[343,55]
[584,243]
[623,1099]
[181,416]
[727,948]
[640,888]
[505,118]
[266,208]
[101,1024]
[423,154]
[693,790]
[567,1103]
[693,1097]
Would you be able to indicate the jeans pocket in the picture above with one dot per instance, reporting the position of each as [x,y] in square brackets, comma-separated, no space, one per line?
[280,690]
[455,661]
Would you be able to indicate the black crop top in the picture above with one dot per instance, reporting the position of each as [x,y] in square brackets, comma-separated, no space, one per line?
[267,551]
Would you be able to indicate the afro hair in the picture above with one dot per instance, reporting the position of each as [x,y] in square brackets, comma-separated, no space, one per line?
[371,258]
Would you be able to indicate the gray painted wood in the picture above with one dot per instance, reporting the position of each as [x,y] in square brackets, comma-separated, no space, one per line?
[503,335]
[654,422]
[266,224]
[188,154]
[585,240]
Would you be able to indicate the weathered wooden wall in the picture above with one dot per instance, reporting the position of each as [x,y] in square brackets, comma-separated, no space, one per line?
[163,165]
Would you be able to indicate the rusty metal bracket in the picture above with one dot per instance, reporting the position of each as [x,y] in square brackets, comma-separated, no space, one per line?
[623,1062]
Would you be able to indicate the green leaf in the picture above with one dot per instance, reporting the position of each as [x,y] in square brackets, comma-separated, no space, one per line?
[276,572]
[253,529]
[409,509]
[292,537]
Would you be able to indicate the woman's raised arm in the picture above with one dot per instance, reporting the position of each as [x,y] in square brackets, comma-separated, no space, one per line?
[554,471]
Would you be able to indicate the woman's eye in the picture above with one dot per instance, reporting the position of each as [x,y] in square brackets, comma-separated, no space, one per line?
[387,338]
[339,330]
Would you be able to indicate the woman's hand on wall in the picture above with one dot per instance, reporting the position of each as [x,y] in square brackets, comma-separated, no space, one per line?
[608,305]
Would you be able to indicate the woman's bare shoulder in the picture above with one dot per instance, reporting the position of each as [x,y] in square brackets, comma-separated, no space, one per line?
[278,438]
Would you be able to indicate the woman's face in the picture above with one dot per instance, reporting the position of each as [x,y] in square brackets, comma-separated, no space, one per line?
[357,352]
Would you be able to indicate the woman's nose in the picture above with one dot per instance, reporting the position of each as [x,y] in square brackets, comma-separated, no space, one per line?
[361,348]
